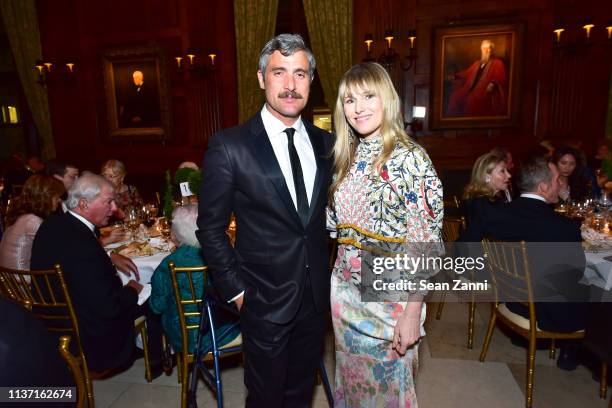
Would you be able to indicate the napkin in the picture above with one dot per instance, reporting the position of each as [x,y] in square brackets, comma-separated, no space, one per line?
[144,294]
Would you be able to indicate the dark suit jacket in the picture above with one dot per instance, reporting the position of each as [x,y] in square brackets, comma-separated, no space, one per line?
[29,354]
[105,309]
[556,268]
[274,253]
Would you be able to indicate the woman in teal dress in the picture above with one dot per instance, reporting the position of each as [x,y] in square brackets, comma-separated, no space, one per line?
[162,300]
[385,194]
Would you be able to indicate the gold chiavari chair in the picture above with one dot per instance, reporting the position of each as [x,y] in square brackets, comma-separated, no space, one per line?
[511,275]
[38,291]
[46,294]
[452,202]
[452,226]
[75,369]
[191,306]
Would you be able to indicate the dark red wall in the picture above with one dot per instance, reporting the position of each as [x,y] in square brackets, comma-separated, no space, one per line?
[85,29]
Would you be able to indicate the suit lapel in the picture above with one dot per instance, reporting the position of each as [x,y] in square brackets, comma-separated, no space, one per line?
[267,159]
[319,151]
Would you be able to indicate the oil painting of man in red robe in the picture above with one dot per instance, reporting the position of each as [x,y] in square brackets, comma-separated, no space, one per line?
[481,89]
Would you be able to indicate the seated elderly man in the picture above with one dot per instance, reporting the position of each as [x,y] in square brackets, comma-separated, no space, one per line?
[553,241]
[105,308]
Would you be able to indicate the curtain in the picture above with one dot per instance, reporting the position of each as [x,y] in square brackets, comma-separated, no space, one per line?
[21,25]
[254,21]
[330,27]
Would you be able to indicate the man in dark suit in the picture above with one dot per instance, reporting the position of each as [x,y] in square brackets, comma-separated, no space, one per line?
[105,309]
[28,352]
[555,253]
[273,173]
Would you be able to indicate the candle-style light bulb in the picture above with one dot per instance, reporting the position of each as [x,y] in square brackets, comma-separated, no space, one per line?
[368,40]
[587,29]
[389,38]
[178,61]
[411,39]
[191,57]
[558,32]
[212,59]
[48,65]
[70,66]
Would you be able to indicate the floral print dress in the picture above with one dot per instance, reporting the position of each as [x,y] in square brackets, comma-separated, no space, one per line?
[402,203]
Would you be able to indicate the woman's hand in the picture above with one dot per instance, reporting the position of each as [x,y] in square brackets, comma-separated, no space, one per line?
[408,328]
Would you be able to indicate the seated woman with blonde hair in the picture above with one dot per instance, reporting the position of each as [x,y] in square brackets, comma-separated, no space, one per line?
[488,185]
[125,195]
[40,197]
[162,301]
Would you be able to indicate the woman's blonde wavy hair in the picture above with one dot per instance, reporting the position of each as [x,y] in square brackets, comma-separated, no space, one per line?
[372,77]
[484,165]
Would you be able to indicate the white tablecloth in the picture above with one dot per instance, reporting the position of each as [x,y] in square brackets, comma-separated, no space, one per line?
[146,266]
[598,271]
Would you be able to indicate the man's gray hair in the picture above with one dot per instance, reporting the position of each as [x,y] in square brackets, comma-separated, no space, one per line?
[534,171]
[87,187]
[286,44]
[184,224]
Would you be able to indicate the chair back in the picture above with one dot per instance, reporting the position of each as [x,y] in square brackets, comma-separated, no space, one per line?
[452,227]
[509,267]
[188,299]
[452,202]
[45,293]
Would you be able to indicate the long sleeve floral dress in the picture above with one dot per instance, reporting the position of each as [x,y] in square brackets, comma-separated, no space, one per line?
[402,203]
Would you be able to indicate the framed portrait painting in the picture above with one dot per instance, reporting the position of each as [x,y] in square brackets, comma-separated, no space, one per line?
[476,76]
[136,94]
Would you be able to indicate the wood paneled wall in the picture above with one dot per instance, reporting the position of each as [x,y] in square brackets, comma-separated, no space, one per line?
[83,29]
[563,94]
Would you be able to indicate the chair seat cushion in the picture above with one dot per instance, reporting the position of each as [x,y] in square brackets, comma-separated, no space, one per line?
[517,319]
[234,343]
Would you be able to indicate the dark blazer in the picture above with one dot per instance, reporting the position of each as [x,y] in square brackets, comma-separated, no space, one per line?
[274,253]
[105,308]
[28,352]
[558,266]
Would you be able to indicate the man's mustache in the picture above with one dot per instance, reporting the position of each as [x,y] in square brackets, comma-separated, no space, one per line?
[292,94]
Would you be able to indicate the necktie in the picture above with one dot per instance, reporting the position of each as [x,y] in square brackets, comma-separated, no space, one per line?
[298,178]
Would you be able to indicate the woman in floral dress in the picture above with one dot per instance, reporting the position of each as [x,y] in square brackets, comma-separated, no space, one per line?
[385,192]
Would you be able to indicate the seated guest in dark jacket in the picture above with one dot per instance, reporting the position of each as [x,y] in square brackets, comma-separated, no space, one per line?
[29,354]
[488,185]
[105,309]
[162,299]
[530,218]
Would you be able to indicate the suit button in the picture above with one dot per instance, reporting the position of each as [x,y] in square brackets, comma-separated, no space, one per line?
[307,267]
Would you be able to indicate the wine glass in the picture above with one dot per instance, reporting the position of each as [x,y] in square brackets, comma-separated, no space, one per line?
[132,218]
[164,227]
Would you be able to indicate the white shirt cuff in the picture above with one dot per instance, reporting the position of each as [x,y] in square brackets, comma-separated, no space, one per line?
[236,297]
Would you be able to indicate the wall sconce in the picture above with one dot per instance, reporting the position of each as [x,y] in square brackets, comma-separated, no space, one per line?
[195,62]
[583,35]
[47,71]
[390,58]
[418,115]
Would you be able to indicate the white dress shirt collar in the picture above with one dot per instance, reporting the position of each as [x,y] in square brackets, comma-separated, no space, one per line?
[275,127]
[278,139]
[83,220]
[534,196]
